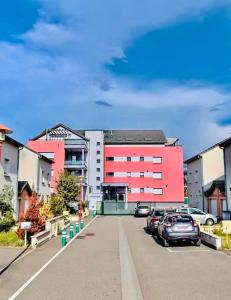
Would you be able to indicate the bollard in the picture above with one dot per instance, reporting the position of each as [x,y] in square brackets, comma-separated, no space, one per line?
[64,237]
[76,227]
[71,232]
[94,213]
[81,224]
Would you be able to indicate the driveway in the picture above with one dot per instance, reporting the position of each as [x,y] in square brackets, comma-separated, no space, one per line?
[114,258]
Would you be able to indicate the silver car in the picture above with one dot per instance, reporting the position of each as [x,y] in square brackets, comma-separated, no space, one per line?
[199,216]
[142,211]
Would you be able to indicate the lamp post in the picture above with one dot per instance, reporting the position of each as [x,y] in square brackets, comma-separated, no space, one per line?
[3,131]
[80,197]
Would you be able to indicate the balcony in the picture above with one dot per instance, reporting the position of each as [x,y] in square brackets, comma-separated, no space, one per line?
[75,144]
[75,164]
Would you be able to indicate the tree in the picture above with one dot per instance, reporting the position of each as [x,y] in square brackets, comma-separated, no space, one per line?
[6,197]
[68,187]
[32,215]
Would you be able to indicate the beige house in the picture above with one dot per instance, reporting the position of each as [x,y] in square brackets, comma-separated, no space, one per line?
[35,169]
[202,170]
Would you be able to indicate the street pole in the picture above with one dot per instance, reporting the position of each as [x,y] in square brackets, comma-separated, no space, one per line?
[80,198]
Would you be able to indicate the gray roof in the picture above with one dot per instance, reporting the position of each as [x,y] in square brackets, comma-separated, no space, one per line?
[134,137]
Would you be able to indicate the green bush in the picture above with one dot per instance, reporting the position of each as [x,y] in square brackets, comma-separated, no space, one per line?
[85,204]
[10,238]
[7,221]
[57,205]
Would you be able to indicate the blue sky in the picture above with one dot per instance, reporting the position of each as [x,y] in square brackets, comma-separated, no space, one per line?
[117,64]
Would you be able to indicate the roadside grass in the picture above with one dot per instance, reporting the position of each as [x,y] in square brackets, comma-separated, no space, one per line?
[10,239]
[225,238]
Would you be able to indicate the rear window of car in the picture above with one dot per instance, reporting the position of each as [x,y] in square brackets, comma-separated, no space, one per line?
[180,219]
[146,207]
[158,213]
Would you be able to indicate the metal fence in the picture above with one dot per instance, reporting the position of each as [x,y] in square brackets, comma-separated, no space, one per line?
[126,208]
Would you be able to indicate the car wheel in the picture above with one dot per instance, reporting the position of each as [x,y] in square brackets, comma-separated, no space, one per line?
[198,243]
[209,222]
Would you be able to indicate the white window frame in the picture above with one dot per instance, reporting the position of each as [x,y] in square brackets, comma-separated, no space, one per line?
[155,176]
[157,160]
[157,189]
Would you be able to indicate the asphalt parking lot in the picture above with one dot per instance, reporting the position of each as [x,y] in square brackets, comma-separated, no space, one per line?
[117,259]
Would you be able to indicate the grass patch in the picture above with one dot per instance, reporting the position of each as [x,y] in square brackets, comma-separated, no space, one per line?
[10,238]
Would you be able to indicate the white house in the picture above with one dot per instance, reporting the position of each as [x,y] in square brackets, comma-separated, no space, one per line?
[202,170]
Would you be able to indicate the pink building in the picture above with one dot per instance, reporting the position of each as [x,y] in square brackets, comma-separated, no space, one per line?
[119,165]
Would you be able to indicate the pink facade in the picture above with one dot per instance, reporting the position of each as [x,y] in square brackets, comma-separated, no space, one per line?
[52,147]
[171,168]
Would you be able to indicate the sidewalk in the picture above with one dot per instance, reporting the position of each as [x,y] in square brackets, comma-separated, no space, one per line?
[89,268]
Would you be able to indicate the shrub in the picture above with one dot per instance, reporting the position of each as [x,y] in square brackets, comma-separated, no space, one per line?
[10,238]
[6,197]
[68,187]
[32,215]
[45,211]
[85,204]
[57,205]
[7,221]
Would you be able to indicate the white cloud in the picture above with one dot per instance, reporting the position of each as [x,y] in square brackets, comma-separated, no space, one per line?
[58,70]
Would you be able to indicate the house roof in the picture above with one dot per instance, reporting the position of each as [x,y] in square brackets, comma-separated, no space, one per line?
[45,131]
[134,137]
[22,185]
[195,157]
[225,142]
[13,142]
[220,184]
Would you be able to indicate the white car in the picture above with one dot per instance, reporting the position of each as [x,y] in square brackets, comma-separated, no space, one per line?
[199,216]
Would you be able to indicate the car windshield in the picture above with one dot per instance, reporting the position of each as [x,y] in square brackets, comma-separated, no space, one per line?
[180,219]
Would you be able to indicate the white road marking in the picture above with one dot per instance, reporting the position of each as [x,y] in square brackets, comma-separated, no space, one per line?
[19,291]
[129,281]
[187,251]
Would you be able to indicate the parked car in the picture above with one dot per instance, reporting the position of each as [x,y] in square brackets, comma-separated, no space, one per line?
[142,211]
[179,226]
[154,217]
[199,216]
[73,207]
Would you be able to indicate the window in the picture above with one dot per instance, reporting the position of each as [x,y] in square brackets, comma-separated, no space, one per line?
[109,158]
[98,152]
[141,190]
[6,166]
[141,158]
[98,187]
[194,211]
[98,161]
[158,191]
[97,169]
[157,175]
[128,174]
[129,190]
[98,143]
[141,174]
[157,160]
[97,178]
[129,158]
[110,174]
[52,173]
[43,177]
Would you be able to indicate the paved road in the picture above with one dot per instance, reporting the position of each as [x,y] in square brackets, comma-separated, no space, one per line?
[115,259]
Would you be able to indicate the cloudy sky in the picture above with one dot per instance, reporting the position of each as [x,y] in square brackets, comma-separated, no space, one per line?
[151,64]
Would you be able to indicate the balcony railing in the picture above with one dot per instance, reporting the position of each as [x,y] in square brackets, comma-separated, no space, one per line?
[75,163]
[75,142]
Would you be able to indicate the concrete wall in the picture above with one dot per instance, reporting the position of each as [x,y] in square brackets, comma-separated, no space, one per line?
[213,166]
[10,154]
[195,183]
[44,188]
[95,137]
[28,168]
